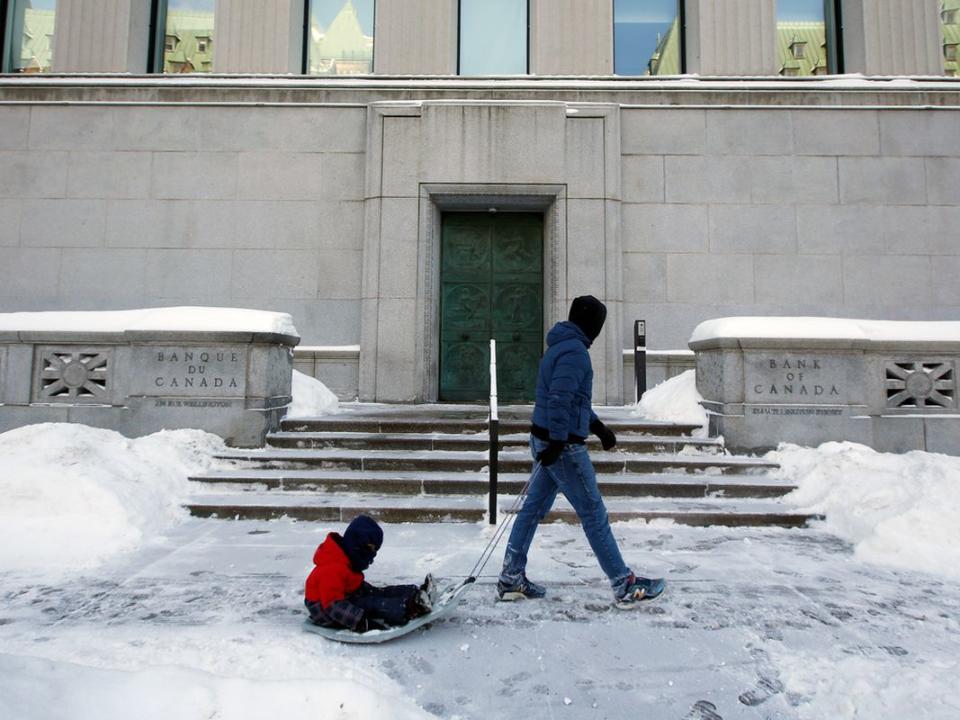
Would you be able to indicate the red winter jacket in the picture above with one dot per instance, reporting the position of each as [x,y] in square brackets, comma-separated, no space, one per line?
[332,579]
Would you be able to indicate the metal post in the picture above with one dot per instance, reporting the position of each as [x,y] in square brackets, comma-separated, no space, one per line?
[639,359]
[494,428]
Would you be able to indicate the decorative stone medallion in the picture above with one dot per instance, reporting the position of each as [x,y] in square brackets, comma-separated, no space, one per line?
[73,376]
[921,384]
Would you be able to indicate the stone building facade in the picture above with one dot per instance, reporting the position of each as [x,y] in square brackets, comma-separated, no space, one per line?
[729,191]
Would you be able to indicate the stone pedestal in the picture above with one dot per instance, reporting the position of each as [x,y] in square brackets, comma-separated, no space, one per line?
[233,384]
[894,390]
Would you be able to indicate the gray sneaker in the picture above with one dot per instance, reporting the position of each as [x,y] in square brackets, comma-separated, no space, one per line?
[638,589]
[522,589]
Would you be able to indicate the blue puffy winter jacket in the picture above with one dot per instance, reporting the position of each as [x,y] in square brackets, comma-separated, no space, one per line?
[565,384]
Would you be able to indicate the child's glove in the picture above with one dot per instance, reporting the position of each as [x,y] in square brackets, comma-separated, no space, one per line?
[607,439]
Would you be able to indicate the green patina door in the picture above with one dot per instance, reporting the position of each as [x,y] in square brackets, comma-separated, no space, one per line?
[491,286]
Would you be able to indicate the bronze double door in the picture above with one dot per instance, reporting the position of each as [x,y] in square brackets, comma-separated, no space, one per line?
[491,286]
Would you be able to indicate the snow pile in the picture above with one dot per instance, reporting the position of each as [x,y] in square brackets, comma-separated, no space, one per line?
[897,510]
[225,671]
[859,687]
[826,328]
[33,689]
[75,495]
[184,319]
[674,400]
[311,398]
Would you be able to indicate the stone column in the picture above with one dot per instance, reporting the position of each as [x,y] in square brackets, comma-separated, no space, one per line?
[891,37]
[571,37]
[252,36]
[103,36]
[415,37]
[731,37]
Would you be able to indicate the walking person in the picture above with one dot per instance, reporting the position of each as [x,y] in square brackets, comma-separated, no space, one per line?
[562,419]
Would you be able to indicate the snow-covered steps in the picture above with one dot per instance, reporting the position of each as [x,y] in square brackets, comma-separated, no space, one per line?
[510,461]
[430,463]
[476,484]
[477,441]
[343,507]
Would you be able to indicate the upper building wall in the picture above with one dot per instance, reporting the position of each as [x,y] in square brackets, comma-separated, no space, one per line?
[566,37]
[416,37]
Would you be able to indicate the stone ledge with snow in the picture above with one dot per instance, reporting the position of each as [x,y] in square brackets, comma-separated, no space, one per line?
[223,370]
[808,380]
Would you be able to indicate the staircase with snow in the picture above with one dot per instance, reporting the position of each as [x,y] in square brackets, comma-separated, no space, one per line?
[428,463]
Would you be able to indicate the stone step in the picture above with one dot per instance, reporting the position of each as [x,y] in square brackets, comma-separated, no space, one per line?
[338,423]
[341,508]
[461,419]
[479,441]
[510,461]
[418,483]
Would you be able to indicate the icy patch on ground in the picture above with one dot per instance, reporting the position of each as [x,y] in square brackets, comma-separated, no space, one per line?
[898,510]
[674,400]
[311,398]
[74,495]
[194,674]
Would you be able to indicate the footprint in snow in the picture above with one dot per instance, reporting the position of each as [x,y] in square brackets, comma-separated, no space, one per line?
[703,710]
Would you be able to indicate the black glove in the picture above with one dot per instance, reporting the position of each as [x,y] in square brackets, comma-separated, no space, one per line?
[607,438]
[550,454]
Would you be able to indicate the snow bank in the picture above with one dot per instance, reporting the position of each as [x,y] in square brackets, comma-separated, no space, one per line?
[897,510]
[188,319]
[857,687]
[226,671]
[674,400]
[825,328]
[75,495]
[34,689]
[311,398]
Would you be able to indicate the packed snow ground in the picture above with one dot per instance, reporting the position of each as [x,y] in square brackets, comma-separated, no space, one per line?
[205,621]
[189,618]
[113,598]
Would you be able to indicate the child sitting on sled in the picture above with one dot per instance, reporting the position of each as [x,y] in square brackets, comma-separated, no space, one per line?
[337,595]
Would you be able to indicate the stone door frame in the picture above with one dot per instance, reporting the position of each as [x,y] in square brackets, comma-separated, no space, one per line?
[438,198]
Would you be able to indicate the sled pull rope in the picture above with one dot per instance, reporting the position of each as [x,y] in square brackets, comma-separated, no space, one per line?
[502,527]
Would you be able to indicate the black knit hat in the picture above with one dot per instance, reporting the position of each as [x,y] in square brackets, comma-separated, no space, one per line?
[588,313]
[361,540]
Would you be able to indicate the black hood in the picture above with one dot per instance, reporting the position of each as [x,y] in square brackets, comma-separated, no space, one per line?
[588,314]
[361,540]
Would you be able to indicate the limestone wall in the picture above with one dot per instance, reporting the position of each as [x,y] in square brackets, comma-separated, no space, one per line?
[849,212]
[684,200]
[107,207]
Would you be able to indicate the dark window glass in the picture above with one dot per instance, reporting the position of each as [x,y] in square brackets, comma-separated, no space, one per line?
[950,22]
[493,37]
[30,33]
[805,37]
[340,37]
[647,37]
[188,36]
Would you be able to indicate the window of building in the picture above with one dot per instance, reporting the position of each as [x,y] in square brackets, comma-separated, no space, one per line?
[493,37]
[186,28]
[949,13]
[808,37]
[28,36]
[648,37]
[340,37]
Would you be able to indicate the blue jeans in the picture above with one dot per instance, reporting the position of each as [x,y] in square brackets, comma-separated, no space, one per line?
[573,475]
